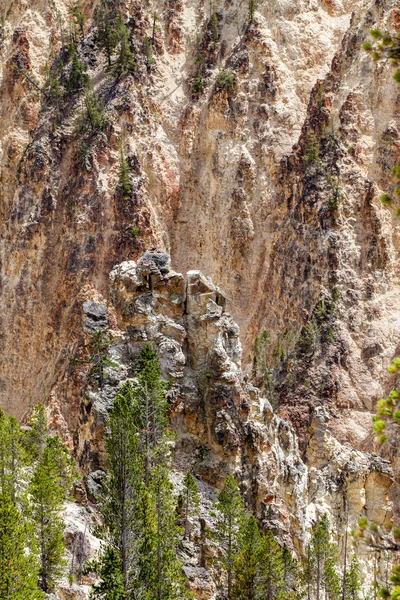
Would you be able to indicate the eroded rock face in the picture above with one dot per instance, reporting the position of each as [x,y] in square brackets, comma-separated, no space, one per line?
[223,423]
[271,188]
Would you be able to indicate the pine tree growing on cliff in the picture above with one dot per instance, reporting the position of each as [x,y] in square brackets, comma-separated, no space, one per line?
[125,63]
[18,561]
[322,562]
[11,455]
[246,585]
[169,583]
[18,564]
[353,584]
[271,567]
[121,494]
[292,588]
[111,584]
[48,490]
[229,514]
[106,33]
[252,10]
[78,16]
[36,437]
[78,77]
[151,412]
[138,506]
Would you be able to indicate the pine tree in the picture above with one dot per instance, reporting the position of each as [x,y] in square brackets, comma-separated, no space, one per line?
[169,584]
[92,118]
[36,437]
[11,455]
[125,62]
[18,565]
[151,411]
[146,579]
[191,501]
[48,490]
[353,584]
[121,495]
[106,34]
[292,588]
[108,568]
[229,513]
[271,567]
[147,51]
[138,505]
[214,27]
[78,77]
[246,585]
[99,359]
[252,10]
[322,563]
[78,16]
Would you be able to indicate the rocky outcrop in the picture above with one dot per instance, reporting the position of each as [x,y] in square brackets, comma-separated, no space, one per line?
[223,423]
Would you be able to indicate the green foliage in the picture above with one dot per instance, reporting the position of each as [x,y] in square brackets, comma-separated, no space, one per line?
[36,437]
[226,80]
[125,61]
[11,455]
[92,119]
[214,27]
[312,149]
[124,179]
[387,46]
[18,568]
[336,195]
[98,348]
[246,585]
[78,78]
[229,513]
[169,583]
[261,368]
[322,565]
[53,86]
[319,328]
[76,13]
[353,584]
[51,481]
[191,501]
[272,567]
[198,83]
[106,31]
[108,568]
[386,199]
[31,528]
[252,10]
[135,232]
[148,52]
[137,503]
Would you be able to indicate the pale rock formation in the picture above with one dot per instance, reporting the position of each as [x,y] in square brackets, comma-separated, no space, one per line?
[224,425]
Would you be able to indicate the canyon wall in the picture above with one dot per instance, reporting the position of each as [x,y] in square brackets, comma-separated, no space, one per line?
[270,186]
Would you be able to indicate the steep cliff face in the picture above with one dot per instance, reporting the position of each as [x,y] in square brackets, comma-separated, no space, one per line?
[257,154]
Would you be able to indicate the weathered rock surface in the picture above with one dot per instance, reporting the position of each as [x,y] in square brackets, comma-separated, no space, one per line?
[271,188]
[223,424]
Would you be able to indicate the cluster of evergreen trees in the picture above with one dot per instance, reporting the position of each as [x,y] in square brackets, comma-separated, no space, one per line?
[140,512]
[36,473]
[140,532]
[256,566]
